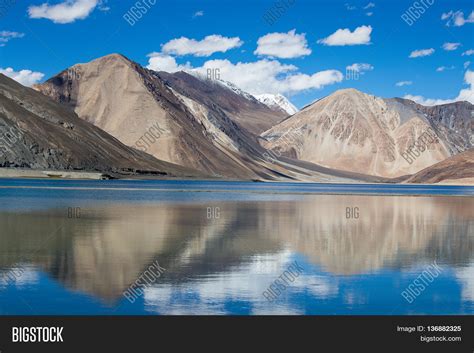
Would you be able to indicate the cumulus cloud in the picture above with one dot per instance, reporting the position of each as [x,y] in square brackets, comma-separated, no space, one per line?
[360,67]
[206,47]
[65,12]
[427,101]
[404,83]
[270,76]
[6,36]
[468,52]
[25,77]
[451,46]
[283,45]
[360,36]
[421,53]
[456,18]
[163,62]
[466,94]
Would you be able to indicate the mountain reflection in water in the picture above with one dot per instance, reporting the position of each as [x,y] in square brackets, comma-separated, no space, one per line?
[223,265]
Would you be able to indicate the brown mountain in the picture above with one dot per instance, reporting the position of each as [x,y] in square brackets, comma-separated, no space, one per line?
[241,107]
[38,133]
[353,131]
[126,100]
[455,170]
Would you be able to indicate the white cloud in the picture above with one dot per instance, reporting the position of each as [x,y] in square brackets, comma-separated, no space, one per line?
[65,12]
[163,62]
[361,35]
[466,64]
[6,36]
[350,7]
[421,53]
[360,67]
[245,283]
[369,6]
[198,14]
[468,52]
[444,68]
[404,83]
[456,18]
[270,76]
[283,45]
[369,14]
[209,45]
[25,77]
[466,94]
[427,101]
[451,46]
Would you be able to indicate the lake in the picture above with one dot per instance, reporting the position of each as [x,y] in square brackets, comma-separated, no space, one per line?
[75,248]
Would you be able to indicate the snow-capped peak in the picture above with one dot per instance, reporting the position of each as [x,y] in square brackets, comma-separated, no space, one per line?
[236,89]
[226,84]
[273,101]
[277,101]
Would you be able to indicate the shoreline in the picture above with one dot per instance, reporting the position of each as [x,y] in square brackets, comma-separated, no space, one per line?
[14,173]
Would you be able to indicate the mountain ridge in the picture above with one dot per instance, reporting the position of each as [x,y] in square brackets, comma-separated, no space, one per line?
[201,125]
[215,127]
[46,135]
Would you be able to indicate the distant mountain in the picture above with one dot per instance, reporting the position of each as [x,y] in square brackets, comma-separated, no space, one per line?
[455,170]
[203,124]
[240,106]
[277,101]
[38,133]
[455,121]
[353,131]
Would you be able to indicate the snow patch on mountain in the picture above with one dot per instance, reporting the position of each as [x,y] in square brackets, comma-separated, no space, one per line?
[277,101]
[273,101]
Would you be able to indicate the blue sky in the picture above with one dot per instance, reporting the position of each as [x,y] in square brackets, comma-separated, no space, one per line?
[304,54]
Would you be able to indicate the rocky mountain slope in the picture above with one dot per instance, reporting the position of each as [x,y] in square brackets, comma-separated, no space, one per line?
[455,170]
[455,122]
[357,132]
[38,133]
[241,107]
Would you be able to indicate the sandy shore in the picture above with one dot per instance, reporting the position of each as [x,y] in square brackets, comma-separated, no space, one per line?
[48,174]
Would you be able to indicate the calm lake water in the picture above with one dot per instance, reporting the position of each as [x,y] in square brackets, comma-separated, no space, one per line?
[74,247]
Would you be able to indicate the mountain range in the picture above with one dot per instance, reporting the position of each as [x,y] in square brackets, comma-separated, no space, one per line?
[208,125]
[186,123]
